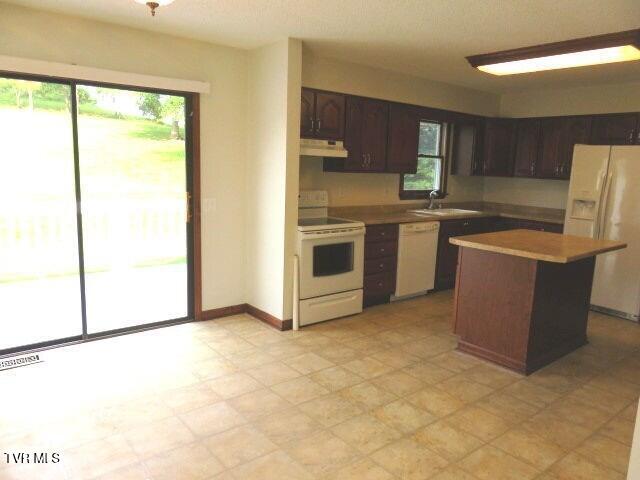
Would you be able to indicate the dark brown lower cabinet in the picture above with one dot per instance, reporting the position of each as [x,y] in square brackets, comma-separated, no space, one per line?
[518,312]
[380,263]
[447,261]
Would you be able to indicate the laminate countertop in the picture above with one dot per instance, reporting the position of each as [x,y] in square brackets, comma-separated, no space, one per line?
[545,246]
[380,218]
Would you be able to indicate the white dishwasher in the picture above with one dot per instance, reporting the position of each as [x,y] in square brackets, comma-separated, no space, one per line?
[417,250]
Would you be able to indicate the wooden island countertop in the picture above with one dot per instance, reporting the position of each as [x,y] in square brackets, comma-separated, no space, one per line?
[535,245]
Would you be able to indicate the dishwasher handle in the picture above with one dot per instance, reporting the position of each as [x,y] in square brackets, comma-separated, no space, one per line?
[419,227]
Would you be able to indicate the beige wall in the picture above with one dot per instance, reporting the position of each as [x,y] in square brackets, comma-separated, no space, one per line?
[526,191]
[624,97]
[272,185]
[374,188]
[367,189]
[60,38]
[294,84]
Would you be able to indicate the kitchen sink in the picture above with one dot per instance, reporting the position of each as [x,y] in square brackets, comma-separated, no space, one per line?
[445,211]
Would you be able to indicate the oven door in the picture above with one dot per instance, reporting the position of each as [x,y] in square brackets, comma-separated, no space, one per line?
[331,262]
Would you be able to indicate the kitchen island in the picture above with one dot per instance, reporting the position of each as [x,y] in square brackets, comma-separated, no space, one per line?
[522,296]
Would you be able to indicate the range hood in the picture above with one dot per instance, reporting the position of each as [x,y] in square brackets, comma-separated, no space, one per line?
[322,148]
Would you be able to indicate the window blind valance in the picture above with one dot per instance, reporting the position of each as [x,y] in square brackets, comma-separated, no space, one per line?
[90,74]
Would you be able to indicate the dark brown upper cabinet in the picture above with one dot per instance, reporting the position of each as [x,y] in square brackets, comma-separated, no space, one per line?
[374,134]
[404,134]
[365,137]
[615,129]
[499,141]
[558,135]
[526,150]
[575,130]
[466,148]
[307,113]
[550,160]
[322,115]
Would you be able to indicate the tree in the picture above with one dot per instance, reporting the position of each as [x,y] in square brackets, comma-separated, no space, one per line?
[150,105]
[30,87]
[173,108]
[13,86]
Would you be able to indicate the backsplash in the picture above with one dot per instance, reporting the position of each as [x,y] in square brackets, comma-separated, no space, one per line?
[354,189]
[346,189]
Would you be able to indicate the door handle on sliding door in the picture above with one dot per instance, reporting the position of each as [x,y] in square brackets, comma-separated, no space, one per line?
[188,206]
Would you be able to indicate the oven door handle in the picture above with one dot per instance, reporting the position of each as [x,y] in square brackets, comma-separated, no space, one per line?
[356,232]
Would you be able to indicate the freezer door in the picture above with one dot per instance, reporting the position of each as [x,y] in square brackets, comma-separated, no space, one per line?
[588,179]
[617,278]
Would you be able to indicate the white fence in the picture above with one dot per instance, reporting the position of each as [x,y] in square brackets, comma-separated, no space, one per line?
[39,238]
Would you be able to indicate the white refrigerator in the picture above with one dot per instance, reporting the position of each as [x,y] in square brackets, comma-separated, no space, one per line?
[604,202]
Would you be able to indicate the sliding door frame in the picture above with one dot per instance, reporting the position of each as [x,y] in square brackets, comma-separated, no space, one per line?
[193,225]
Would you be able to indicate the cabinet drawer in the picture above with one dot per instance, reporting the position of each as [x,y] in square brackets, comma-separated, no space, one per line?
[380,249]
[380,283]
[379,265]
[377,233]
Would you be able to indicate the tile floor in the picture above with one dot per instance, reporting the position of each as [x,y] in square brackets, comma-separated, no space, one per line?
[377,396]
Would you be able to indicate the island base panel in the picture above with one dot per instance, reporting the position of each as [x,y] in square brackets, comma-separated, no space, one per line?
[520,313]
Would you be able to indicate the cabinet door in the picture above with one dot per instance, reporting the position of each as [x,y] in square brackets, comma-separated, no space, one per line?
[466,149]
[374,135]
[549,160]
[615,129]
[404,133]
[353,134]
[498,147]
[575,130]
[526,155]
[447,259]
[307,108]
[329,116]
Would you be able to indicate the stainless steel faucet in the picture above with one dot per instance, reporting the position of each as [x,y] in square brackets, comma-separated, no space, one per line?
[432,197]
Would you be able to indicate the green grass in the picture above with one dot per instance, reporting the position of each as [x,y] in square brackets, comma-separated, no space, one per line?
[120,158]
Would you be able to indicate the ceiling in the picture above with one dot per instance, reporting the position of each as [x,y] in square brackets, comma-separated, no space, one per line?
[426,38]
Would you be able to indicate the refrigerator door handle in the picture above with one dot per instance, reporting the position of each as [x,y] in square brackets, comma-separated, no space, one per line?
[603,204]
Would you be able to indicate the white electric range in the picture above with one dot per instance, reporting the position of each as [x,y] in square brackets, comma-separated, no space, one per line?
[331,261]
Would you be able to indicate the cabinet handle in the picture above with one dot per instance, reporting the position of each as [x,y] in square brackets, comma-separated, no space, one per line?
[382,250]
[382,234]
[313,123]
[379,284]
[319,124]
[466,224]
[382,265]
[533,169]
[631,137]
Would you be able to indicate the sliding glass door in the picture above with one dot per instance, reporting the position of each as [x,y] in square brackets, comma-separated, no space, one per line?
[133,177]
[94,214]
[39,263]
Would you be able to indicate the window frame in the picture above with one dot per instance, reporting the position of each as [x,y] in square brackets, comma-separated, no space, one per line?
[424,194]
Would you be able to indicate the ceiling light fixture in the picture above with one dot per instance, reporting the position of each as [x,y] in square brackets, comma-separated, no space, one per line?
[598,50]
[155,4]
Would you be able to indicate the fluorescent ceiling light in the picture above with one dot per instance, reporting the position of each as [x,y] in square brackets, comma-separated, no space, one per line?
[603,49]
